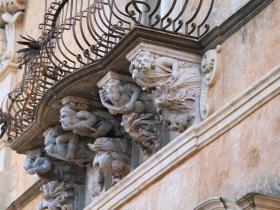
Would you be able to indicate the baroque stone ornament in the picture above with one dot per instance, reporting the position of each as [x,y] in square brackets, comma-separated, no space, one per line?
[77,116]
[57,196]
[11,14]
[209,69]
[112,155]
[173,79]
[67,146]
[120,95]
[37,162]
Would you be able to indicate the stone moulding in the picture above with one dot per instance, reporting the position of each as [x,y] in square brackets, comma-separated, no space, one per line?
[191,141]
[248,202]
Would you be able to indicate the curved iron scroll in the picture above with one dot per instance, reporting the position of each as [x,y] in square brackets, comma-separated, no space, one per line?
[79,32]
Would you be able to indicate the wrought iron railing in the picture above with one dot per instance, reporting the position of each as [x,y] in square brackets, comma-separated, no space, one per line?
[79,32]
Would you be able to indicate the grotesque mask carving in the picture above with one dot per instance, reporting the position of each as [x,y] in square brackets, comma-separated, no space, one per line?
[37,162]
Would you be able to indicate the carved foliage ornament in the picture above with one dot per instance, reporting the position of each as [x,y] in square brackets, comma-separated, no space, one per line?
[57,196]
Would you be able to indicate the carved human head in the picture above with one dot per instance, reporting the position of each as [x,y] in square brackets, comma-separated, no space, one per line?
[50,138]
[68,116]
[113,88]
[145,60]
[106,149]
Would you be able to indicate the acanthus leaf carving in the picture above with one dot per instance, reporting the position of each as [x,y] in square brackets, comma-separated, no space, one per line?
[57,196]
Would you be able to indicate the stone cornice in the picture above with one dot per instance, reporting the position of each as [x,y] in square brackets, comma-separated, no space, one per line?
[191,141]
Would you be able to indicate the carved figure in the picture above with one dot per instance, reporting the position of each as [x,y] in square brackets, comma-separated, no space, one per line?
[138,119]
[85,123]
[121,98]
[112,155]
[57,196]
[37,162]
[150,71]
[67,146]
[175,87]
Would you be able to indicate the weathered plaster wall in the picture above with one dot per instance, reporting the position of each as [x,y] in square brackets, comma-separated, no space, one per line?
[247,55]
[245,159]
[20,180]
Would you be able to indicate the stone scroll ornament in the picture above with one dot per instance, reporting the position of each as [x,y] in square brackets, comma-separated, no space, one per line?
[209,69]
[57,196]
[121,96]
[174,83]
[112,156]
[37,162]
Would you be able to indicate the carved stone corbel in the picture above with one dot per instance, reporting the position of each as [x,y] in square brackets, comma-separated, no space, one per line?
[120,95]
[67,146]
[37,162]
[80,116]
[57,196]
[174,80]
[112,155]
[209,69]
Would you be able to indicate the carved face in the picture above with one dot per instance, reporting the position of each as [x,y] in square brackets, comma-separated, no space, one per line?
[35,162]
[113,89]
[145,60]
[68,118]
[104,160]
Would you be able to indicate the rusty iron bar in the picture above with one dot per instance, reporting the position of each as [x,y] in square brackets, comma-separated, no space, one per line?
[79,32]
